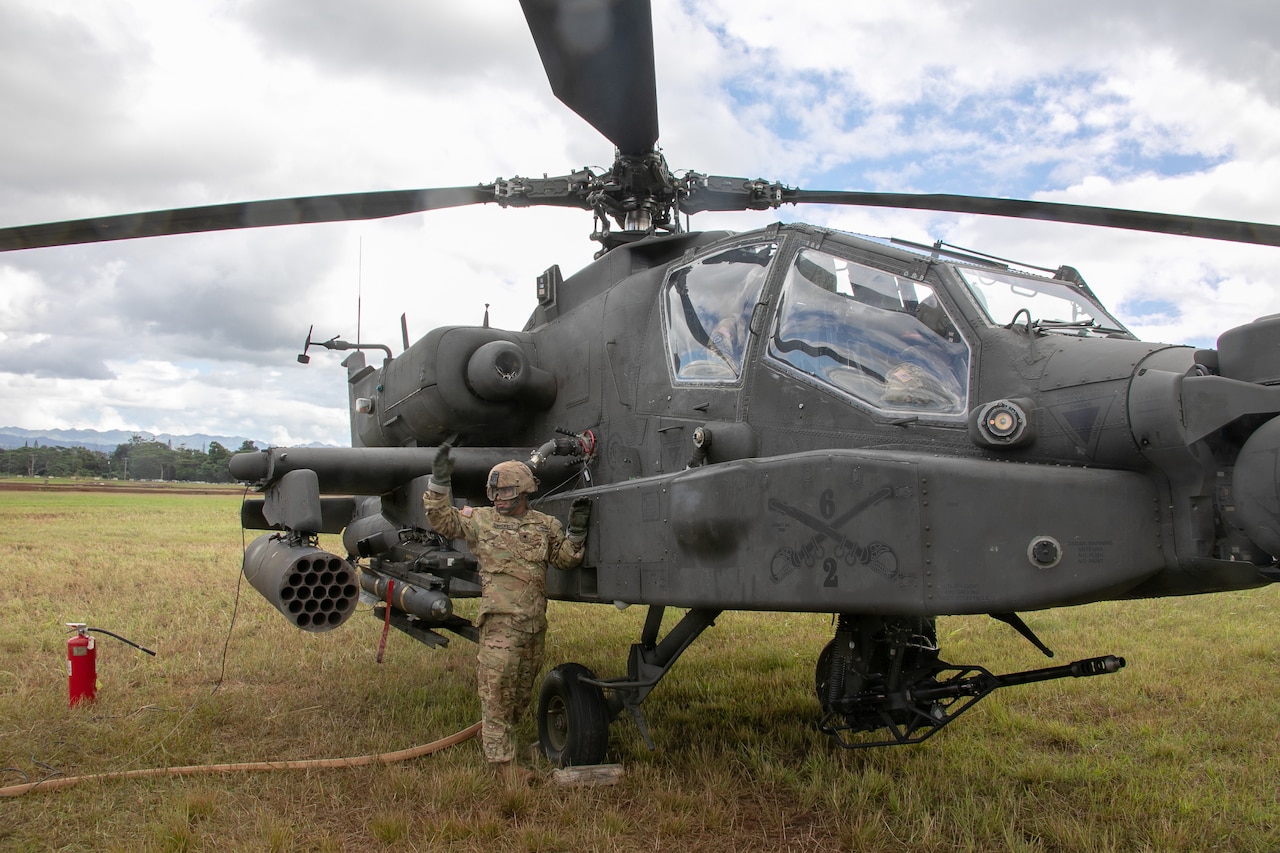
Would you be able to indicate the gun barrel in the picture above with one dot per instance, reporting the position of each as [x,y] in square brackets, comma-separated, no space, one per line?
[985,682]
[1078,669]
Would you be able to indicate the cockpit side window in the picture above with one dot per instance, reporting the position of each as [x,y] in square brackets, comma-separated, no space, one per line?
[707,309]
[881,338]
[1048,305]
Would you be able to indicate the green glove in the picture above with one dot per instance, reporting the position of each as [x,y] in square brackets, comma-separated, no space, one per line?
[442,468]
[579,515]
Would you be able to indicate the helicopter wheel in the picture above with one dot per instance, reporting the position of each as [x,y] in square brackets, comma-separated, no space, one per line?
[573,717]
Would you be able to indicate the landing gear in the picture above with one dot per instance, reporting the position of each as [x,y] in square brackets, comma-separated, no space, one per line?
[573,711]
[573,717]
[880,682]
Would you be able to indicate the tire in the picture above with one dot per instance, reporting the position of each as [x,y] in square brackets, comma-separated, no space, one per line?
[573,717]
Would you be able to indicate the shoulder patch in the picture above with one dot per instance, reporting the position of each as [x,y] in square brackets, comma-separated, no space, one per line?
[466,512]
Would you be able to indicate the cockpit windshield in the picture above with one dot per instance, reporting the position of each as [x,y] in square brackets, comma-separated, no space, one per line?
[707,309]
[882,338]
[1043,304]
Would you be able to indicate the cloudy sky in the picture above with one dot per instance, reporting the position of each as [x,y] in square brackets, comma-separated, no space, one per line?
[130,105]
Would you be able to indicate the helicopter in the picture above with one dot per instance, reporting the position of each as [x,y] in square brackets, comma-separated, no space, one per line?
[787,419]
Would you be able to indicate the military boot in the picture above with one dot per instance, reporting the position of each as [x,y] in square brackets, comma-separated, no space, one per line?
[512,773]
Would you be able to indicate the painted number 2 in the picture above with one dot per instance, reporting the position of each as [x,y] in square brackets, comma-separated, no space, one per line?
[829,566]
[827,506]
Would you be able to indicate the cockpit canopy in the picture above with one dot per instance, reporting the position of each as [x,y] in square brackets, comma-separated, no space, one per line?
[1043,304]
[881,338]
[707,311]
[885,340]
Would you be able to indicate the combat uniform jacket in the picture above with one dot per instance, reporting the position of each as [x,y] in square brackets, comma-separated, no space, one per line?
[513,552]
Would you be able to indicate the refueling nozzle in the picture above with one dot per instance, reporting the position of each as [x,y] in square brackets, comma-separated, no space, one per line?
[580,445]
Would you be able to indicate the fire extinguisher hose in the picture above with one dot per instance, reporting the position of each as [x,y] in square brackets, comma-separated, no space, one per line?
[310,764]
[122,639]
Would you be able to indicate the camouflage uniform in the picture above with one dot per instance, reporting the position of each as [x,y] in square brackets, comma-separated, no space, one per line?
[909,384]
[513,552]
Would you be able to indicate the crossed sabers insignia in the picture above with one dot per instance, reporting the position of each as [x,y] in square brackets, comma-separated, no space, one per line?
[872,556]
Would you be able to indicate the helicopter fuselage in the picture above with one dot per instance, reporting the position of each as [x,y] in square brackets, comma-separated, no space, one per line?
[798,419]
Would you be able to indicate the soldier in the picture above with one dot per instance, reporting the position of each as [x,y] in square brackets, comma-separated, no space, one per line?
[513,545]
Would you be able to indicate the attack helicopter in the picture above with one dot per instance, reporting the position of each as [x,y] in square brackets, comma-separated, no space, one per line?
[788,419]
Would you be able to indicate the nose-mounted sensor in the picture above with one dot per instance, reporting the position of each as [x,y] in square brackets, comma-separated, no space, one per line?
[1003,423]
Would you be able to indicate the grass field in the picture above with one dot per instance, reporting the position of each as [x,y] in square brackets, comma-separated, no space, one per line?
[1177,752]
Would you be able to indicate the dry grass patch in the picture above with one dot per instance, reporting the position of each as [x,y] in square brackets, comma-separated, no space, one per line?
[1175,753]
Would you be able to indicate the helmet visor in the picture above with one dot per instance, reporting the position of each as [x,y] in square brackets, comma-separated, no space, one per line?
[503,493]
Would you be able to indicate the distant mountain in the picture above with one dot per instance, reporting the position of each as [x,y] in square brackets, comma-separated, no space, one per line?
[13,437]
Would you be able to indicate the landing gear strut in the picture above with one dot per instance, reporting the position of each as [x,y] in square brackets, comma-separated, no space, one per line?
[573,711]
[880,682]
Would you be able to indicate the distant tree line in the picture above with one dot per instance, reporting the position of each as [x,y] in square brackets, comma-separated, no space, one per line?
[139,459]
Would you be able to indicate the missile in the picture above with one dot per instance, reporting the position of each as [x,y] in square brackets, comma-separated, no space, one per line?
[430,605]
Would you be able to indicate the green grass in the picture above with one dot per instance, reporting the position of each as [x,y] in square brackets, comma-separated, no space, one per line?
[1175,753]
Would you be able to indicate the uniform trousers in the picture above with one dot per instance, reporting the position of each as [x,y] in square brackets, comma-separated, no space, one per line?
[509,660]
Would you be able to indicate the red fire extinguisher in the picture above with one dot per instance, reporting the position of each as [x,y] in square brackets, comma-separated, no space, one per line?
[82,662]
[82,665]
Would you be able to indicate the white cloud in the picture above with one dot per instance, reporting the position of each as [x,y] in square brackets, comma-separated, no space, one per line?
[148,104]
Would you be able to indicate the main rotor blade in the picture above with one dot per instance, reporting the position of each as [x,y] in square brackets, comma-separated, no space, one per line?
[249,214]
[1078,214]
[598,55]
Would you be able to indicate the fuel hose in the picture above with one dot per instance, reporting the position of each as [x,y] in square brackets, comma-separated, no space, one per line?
[309,764]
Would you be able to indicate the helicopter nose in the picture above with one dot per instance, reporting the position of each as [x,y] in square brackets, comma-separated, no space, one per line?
[1256,487]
